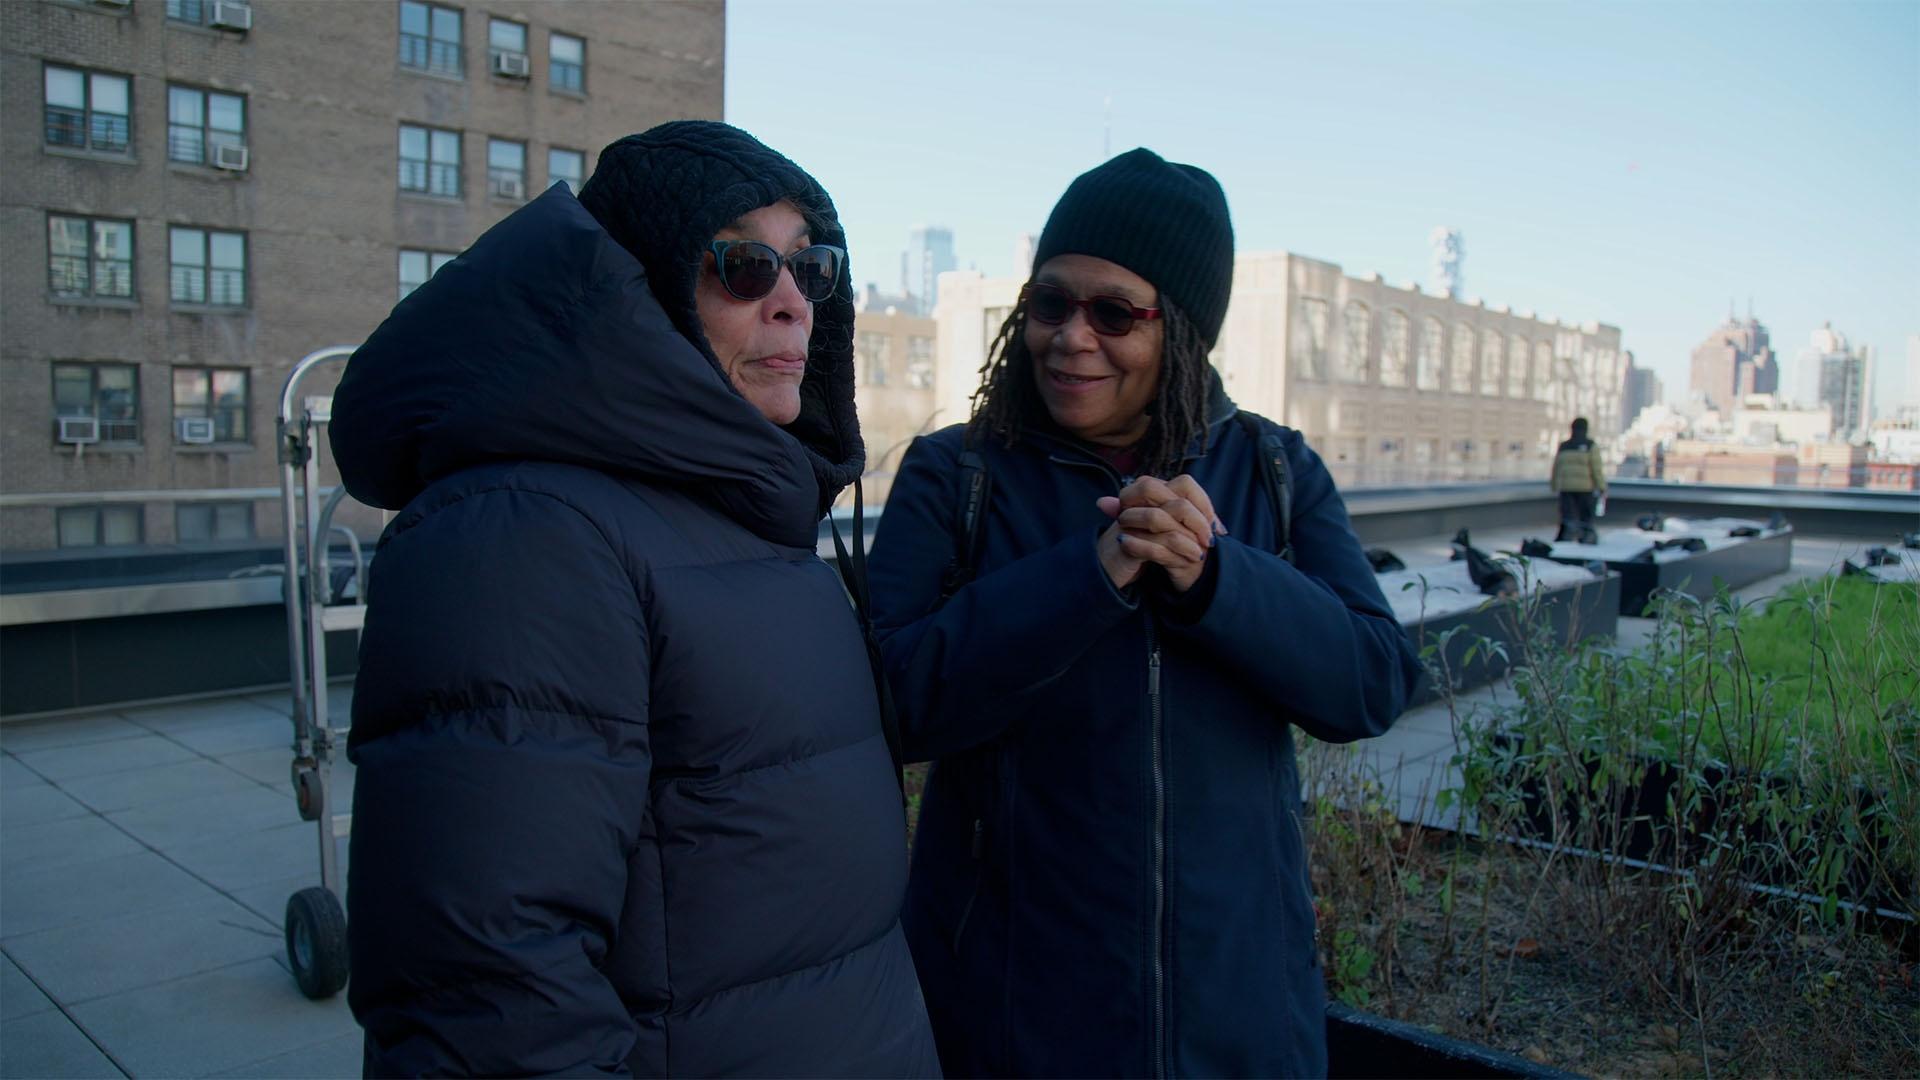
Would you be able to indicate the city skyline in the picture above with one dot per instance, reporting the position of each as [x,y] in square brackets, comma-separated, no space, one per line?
[1630,164]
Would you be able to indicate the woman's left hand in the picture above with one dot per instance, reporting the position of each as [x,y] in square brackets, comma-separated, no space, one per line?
[1175,516]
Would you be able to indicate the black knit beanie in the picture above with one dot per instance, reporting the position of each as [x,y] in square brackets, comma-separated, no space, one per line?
[1160,219]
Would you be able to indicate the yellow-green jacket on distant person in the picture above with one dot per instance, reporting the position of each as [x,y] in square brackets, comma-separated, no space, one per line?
[1578,467]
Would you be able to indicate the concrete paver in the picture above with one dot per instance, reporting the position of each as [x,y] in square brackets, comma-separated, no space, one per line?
[158,784]
[213,1021]
[18,995]
[34,849]
[47,1044]
[97,759]
[24,806]
[92,890]
[78,963]
[27,736]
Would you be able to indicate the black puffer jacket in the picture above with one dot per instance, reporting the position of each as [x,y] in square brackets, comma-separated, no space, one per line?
[623,801]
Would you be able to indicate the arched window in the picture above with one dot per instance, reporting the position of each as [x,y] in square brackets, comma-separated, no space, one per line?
[1393,350]
[1460,367]
[1543,371]
[1490,365]
[1359,341]
[1426,362]
[1516,367]
[1308,353]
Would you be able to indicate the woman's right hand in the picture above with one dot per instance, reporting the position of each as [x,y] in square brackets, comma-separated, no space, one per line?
[1171,524]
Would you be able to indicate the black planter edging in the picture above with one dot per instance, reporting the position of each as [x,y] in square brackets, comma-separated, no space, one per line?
[1361,1044]
[1650,838]
[1571,612]
[1702,574]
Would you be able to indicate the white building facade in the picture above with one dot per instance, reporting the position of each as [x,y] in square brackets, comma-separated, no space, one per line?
[1392,385]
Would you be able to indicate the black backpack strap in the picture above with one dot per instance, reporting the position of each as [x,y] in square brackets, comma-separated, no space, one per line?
[1276,477]
[853,574]
[969,521]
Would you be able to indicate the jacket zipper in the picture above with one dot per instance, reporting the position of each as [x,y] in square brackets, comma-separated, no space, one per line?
[1159,859]
[966,913]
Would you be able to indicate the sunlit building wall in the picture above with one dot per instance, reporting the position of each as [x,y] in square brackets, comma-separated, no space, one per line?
[1393,384]
[894,372]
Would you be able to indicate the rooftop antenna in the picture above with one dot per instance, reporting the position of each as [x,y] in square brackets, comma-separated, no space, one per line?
[1106,133]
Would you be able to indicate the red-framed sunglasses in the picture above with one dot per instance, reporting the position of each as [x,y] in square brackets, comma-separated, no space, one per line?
[1112,316]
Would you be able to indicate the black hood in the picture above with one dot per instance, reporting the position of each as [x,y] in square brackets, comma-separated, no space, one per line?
[550,340]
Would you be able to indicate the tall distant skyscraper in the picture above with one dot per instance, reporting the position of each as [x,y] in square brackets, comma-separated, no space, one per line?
[929,254]
[1735,360]
[1643,389]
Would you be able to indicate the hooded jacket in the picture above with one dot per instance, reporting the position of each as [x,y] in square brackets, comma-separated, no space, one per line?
[1578,467]
[1109,875]
[622,802]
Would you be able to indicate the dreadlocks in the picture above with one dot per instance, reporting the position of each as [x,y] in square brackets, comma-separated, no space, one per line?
[1007,401]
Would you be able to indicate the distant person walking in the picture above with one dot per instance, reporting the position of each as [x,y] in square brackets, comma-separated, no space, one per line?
[1580,478]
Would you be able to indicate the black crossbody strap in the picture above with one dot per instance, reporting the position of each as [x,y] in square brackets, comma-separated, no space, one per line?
[853,573]
[1276,476]
[969,520]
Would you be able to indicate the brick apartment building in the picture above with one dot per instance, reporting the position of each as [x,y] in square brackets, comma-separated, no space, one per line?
[199,192]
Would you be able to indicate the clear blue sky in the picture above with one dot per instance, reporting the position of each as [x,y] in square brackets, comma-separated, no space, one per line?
[1633,163]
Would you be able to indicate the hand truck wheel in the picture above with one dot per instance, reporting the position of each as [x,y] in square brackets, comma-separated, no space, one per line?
[317,942]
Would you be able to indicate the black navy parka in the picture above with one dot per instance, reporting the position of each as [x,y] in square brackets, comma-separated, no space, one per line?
[1109,875]
[623,802]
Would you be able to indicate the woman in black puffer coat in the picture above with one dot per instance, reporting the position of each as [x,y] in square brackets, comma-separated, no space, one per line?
[623,802]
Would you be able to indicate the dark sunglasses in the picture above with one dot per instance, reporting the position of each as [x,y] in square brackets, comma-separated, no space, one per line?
[750,269]
[1112,316]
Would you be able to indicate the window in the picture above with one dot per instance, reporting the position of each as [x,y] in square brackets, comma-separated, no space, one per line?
[1353,354]
[417,266]
[206,266]
[1517,366]
[1426,363]
[189,11]
[1393,350]
[1543,371]
[1309,349]
[430,37]
[87,110]
[217,394]
[567,63]
[199,120]
[1460,365]
[504,35]
[429,160]
[92,526]
[203,523]
[109,393]
[89,257]
[870,357]
[506,169]
[1490,365]
[920,362]
[568,167]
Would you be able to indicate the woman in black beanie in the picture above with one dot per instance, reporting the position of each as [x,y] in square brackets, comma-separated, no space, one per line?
[625,802]
[1104,603]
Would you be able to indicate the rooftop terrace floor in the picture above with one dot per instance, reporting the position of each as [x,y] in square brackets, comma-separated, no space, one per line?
[146,856]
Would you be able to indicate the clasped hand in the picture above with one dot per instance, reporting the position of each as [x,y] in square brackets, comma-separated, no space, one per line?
[1169,523]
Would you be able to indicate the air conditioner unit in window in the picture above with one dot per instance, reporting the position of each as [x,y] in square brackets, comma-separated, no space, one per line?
[195,429]
[510,187]
[514,65]
[75,430]
[229,156]
[232,15]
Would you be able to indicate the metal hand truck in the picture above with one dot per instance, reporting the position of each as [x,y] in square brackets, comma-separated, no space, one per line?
[317,603]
